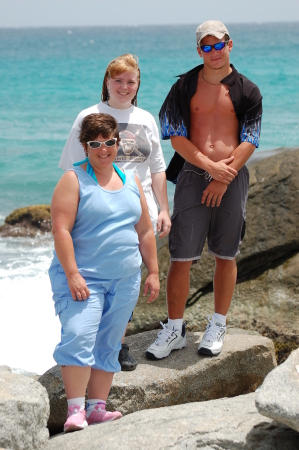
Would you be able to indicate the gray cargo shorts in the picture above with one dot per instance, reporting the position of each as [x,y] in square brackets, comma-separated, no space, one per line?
[193,222]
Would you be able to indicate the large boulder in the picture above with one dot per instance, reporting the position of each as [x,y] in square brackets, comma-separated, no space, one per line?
[272,212]
[230,423]
[271,234]
[24,412]
[278,397]
[183,377]
[27,221]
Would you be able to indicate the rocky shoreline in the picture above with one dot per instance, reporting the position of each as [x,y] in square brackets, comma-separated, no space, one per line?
[190,391]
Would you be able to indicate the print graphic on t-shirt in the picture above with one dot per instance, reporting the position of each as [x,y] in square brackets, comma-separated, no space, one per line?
[134,145]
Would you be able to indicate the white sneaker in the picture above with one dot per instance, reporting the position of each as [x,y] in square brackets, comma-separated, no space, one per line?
[167,340]
[213,338]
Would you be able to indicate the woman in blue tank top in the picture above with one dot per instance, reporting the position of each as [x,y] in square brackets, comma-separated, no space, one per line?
[102,232]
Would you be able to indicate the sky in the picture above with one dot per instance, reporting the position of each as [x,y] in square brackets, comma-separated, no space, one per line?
[57,13]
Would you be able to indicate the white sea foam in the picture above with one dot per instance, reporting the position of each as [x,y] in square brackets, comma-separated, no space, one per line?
[29,329]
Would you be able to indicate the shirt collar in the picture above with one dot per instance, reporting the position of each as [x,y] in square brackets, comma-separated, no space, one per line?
[229,80]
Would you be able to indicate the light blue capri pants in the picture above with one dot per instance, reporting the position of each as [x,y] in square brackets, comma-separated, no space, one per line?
[92,329]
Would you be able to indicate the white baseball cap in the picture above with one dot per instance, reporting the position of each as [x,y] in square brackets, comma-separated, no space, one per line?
[211,28]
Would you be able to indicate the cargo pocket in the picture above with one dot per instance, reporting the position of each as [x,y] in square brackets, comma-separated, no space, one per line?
[61,310]
[59,283]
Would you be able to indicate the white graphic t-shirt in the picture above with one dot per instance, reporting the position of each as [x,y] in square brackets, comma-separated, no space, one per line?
[139,150]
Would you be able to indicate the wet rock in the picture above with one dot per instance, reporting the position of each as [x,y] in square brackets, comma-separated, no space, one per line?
[28,221]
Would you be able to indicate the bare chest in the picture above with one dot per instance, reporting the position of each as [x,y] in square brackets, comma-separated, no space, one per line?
[210,100]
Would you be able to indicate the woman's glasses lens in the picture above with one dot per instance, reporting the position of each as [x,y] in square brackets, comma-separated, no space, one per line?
[110,143]
[94,144]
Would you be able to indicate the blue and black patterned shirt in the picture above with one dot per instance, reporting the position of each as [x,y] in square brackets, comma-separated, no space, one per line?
[174,115]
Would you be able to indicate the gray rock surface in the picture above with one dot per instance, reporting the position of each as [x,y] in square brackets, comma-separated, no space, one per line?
[24,411]
[230,424]
[278,397]
[183,377]
[273,211]
[272,233]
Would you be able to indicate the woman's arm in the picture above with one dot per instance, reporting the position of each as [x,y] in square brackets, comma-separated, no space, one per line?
[160,190]
[63,212]
[147,247]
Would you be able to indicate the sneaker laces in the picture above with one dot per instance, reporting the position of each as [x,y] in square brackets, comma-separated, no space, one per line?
[212,331]
[163,335]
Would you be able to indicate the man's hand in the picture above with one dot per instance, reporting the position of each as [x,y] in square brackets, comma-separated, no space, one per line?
[213,194]
[78,287]
[221,171]
[152,283]
[164,224]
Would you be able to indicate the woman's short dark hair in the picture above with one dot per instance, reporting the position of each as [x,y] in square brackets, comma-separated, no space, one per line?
[95,124]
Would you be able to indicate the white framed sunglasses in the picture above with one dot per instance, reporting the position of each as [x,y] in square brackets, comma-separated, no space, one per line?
[97,144]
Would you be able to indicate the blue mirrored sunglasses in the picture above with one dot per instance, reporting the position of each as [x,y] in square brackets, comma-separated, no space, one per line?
[97,144]
[218,46]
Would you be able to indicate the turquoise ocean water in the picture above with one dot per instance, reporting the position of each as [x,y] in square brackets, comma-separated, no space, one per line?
[49,75]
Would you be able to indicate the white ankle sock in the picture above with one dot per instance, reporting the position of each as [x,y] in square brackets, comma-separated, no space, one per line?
[80,401]
[91,403]
[220,318]
[175,324]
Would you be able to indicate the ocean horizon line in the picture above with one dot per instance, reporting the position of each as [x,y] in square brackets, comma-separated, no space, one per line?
[121,26]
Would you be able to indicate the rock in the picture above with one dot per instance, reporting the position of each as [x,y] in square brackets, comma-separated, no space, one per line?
[183,377]
[28,221]
[278,397]
[24,411]
[52,381]
[230,423]
[272,213]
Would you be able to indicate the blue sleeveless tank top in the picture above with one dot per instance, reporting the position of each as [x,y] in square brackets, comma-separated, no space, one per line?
[105,240]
